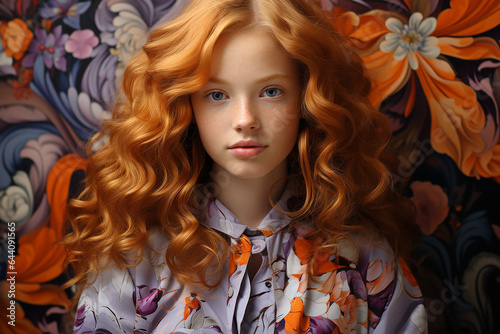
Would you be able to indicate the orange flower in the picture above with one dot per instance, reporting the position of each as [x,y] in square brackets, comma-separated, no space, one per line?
[22,324]
[16,37]
[295,321]
[432,205]
[240,253]
[397,49]
[304,250]
[40,258]
[21,88]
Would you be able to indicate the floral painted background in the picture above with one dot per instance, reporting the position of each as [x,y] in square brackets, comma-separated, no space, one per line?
[435,65]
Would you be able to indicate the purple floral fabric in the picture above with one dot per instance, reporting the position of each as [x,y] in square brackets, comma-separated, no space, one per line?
[361,289]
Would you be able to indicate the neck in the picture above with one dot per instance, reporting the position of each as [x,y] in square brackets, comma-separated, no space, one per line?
[248,199]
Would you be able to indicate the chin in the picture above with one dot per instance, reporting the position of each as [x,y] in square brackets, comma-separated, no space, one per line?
[247,173]
[251,175]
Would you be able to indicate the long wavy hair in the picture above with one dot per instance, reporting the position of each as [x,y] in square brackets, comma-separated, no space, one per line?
[149,171]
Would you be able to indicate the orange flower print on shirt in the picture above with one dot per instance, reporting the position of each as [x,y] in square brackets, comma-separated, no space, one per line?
[399,51]
[192,303]
[323,264]
[304,250]
[411,284]
[295,321]
[240,253]
[16,37]
[379,276]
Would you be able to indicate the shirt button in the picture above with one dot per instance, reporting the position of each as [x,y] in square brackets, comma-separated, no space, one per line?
[230,292]
[268,285]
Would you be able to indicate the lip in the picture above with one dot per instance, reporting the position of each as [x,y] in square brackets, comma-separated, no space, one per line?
[247,148]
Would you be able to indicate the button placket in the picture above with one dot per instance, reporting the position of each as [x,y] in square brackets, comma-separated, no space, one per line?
[241,250]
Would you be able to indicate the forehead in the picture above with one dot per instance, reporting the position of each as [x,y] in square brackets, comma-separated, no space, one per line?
[249,52]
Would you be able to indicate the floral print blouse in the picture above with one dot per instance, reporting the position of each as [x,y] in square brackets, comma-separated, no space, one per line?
[358,290]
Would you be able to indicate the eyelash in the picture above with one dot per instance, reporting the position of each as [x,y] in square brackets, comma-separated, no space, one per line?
[210,96]
[279,91]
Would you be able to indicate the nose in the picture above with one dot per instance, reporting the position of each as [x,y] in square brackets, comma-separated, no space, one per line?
[245,118]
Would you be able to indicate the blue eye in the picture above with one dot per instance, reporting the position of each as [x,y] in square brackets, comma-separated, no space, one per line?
[272,92]
[216,96]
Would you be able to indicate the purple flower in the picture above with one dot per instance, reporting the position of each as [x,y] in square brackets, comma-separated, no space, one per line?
[321,325]
[80,318]
[149,303]
[50,46]
[81,43]
[69,10]
[80,315]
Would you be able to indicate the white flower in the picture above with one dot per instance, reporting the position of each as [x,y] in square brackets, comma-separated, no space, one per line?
[130,34]
[88,112]
[16,201]
[6,63]
[407,39]
[315,303]
[4,60]
[334,312]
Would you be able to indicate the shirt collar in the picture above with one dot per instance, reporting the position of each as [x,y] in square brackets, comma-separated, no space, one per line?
[221,219]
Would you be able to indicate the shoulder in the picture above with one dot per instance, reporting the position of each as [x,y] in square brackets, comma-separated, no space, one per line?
[107,304]
[116,293]
[393,298]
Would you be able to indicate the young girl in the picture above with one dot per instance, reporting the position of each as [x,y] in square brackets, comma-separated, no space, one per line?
[241,190]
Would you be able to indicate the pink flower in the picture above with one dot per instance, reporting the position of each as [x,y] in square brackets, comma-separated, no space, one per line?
[81,43]
[432,205]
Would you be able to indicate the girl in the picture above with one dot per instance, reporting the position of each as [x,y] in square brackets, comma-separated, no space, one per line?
[241,189]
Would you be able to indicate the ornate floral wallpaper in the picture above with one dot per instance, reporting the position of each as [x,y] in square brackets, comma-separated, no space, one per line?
[435,65]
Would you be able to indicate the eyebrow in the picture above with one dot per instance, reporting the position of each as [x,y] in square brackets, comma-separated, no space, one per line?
[261,80]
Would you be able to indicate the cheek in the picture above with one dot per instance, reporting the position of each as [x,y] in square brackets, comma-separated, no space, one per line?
[282,120]
[210,131]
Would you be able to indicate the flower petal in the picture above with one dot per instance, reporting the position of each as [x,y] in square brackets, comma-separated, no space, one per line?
[400,53]
[60,63]
[394,25]
[388,74]
[370,29]
[392,37]
[40,255]
[467,18]
[387,46]
[457,118]
[488,163]
[431,40]
[469,48]
[427,26]
[48,61]
[414,22]
[41,294]
[412,59]
[430,51]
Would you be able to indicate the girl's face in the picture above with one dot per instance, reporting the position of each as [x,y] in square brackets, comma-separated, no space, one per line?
[248,112]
